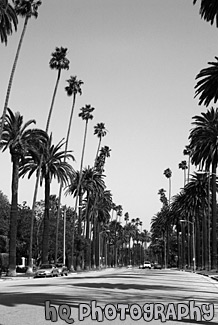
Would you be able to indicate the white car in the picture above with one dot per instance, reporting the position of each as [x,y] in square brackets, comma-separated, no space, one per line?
[147,265]
[46,270]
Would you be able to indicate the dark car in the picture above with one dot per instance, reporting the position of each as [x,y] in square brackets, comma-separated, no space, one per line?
[157,266]
[62,269]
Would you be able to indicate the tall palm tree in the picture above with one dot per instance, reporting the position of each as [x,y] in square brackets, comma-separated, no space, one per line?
[191,205]
[53,166]
[91,184]
[100,161]
[58,62]
[86,115]
[126,217]
[100,215]
[100,131]
[119,211]
[159,225]
[209,10]
[183,166]
[21,141]
[204,152]
[187,152]
[130,231]
[168,174]
[8,19]
[26,9]
[73,88]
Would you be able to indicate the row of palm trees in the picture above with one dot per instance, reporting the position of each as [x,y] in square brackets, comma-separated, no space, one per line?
[195,207]
[49,160]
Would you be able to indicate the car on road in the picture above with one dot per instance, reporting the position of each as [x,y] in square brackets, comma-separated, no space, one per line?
[62,269]
[157,266]
[46,270]
[146,265]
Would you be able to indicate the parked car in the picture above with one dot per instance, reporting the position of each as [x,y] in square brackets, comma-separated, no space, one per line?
[62,269]
[146,265]
[157,266]
[46,270]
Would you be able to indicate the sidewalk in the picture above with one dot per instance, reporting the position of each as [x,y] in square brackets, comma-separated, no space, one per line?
[213,274]
[24,276]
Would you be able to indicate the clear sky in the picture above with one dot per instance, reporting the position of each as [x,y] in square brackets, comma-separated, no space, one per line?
[138,60]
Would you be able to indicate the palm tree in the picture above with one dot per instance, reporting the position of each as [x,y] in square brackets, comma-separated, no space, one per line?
[53,166]
[73,88]
[100,214]
[91,185]
[207,86]
[26,9]
[100,131]
[204,152]
[86,116]
[119,210]
[183,166]
[163,198]
[21,141]
[100,161]
[129,231]
[187,152]
[191,205]
[209,10]
[8,19]
[159,225]
[126,217]
[58,62]
[168,174]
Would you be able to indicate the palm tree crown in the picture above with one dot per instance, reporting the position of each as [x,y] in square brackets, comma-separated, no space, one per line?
[74,86]
[21,142]
[207,86]
[99,130]
[58,60]
[27,8]
[209,10]
[18,139]
[203,139]
[8,19]
[86,113]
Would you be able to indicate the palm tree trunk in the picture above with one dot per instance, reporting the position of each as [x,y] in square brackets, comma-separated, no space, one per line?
[81,164]
[178,242]
[37,185]
[72,243]
[214,218]
[94,244]
[61,185]
[45,239]
[198,243]
[30,264]
[87,249]
[53,99]
[183,246]
[13,216]
[205,240]
[12,75]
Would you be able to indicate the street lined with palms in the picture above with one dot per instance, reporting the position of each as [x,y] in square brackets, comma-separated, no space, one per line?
[107,287]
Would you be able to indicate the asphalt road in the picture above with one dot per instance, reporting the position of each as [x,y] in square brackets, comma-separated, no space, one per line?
[122,296]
